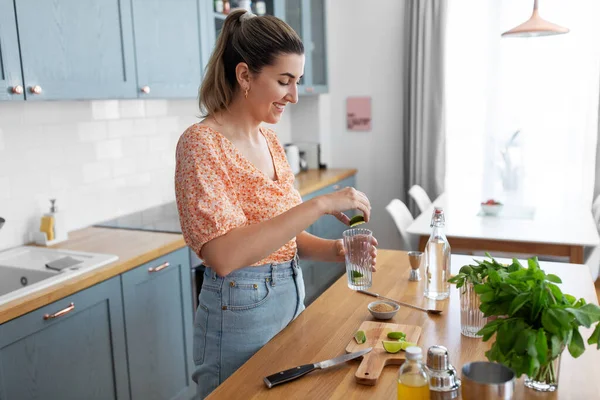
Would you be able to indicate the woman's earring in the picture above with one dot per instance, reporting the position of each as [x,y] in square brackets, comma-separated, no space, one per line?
[246,94]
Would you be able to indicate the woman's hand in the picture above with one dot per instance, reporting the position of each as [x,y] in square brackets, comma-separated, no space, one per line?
[343,200]
[338,246]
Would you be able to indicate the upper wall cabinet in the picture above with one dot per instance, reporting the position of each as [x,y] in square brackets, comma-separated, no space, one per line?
[307,17]
[168,47]
[76,49]
[11,84]
[114,49]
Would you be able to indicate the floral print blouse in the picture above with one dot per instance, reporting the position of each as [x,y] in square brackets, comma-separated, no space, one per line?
[218,189]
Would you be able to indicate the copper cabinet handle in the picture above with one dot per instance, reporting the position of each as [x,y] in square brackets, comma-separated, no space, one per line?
[37,89]
[160,267]
[17,89]
[60,313]
[145,89]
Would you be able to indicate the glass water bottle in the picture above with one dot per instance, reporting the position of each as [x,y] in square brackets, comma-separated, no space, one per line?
[437,259]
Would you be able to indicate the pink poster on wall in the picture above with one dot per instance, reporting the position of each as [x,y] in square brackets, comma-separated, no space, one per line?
[358,113]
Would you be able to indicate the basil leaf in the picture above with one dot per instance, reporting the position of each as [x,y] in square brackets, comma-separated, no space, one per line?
[518,302]
[595,337]
[509,289]
[480,289]
[541,345]
[556,320]
[576,346]
[553,278]
[487,297]
[556,344]
[534,366]
[556,292]
[570,299]
[586,315]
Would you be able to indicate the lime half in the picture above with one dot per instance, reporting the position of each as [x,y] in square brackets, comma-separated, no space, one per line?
[395,346]
[396,335]
[360,337]
[392,346]
[356,220]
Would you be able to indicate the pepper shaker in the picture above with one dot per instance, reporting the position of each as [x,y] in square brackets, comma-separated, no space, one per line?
[415,258]
[443,378]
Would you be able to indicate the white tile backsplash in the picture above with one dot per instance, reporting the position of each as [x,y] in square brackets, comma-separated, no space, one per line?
[109,149]
[99,159]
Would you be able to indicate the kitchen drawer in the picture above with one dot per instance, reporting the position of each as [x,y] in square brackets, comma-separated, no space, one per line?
[78,355]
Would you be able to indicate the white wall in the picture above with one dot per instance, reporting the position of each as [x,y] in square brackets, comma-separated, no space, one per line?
[365,59]
[99,159]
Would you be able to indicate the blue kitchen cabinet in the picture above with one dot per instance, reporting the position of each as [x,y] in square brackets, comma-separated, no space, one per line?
[318,276]
[157,301]
[76,49]
[11,82]
[169,37]
[308,19]
[78,354]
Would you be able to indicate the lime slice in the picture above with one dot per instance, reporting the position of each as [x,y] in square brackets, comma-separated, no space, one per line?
[356,274]
[392,347]
[396,335]
[405,345]
[360,337]
[356,220]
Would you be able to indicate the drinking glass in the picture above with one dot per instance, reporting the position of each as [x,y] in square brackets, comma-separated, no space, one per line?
[357,245]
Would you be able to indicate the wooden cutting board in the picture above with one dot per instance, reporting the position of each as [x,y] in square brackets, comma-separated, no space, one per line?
[373,362]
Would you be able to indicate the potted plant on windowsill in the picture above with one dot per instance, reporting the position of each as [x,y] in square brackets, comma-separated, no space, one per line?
[537,322]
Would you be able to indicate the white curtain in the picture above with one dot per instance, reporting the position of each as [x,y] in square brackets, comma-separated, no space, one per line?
[545,87]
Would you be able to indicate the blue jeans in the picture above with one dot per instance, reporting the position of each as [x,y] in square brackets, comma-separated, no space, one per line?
[239,314]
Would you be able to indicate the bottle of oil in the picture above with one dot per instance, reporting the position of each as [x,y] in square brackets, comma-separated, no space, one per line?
[412,377]
[437,259]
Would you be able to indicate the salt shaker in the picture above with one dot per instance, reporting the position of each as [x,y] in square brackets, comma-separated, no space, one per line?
[415,258]
[443,379]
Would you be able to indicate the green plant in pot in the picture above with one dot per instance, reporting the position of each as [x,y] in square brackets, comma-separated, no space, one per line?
[471,318]
[535,321]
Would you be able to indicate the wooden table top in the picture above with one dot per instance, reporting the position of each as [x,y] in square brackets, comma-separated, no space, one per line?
[324,329]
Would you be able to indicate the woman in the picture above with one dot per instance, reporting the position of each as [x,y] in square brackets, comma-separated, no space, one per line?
[237,204]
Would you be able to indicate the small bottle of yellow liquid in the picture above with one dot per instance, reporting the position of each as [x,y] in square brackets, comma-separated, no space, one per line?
[412,378]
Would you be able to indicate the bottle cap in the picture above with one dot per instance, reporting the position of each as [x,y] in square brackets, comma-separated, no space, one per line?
[413,353]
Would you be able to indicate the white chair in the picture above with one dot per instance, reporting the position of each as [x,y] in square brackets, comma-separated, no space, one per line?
[596,211]
[592,260]
[403,218]
[420,196]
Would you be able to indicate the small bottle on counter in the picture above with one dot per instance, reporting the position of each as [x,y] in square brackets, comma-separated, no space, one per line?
[412,377]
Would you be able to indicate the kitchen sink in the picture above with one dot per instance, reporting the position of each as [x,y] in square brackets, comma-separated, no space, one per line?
[16,278]
[24,269]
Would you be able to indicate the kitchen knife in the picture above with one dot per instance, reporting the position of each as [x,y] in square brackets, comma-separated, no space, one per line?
[297,372]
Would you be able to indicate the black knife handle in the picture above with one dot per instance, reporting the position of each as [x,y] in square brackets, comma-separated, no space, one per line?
[288,375]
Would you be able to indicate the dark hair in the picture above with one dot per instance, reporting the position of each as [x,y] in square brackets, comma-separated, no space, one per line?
[245,37]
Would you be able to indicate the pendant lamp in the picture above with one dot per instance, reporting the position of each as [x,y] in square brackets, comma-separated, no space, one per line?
[535,26]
